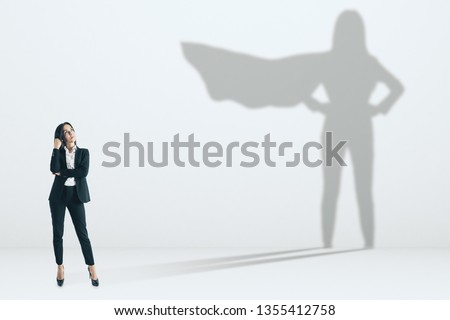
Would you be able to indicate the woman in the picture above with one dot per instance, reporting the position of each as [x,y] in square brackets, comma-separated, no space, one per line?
[349,74]
[70,165]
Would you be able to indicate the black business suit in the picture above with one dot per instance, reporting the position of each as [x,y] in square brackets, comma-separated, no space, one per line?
[72,198]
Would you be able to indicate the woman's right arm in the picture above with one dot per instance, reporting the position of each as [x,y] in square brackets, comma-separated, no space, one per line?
[55,166]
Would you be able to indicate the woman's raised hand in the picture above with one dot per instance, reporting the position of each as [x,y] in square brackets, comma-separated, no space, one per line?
[57,143]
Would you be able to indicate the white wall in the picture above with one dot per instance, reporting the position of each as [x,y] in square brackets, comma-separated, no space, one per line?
[110,67]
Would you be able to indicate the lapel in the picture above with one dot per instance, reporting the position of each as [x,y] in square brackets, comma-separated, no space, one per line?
[77,157]
[64,158]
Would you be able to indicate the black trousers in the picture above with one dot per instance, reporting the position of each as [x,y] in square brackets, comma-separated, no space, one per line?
[77,213]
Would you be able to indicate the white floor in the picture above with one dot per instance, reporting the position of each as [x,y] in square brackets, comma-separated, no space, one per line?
[207,273]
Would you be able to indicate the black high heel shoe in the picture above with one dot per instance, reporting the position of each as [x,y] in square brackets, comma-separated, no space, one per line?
[60,282]
[94,282]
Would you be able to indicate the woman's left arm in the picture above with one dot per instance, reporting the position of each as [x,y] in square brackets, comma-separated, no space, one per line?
[394,85]
[81,171]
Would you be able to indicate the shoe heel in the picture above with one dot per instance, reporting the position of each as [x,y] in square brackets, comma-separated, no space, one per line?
[95,283]
[60,282]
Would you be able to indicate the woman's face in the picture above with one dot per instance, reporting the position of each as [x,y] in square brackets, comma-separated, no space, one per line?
[69,134]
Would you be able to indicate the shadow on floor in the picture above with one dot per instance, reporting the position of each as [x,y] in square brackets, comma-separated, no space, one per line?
[138,273]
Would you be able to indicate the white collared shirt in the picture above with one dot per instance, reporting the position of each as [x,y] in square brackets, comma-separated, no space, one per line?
[70,160]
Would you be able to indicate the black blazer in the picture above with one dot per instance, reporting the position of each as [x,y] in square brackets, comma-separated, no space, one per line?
[58,164]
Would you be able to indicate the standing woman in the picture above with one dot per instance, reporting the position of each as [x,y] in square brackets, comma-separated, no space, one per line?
[70,165]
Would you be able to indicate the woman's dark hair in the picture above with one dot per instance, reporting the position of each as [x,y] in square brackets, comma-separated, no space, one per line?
[59,133]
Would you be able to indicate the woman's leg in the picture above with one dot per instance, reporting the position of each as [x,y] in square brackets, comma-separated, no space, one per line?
[331,182]
[58,209]
[331,187]
[78,215]
[362,156]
